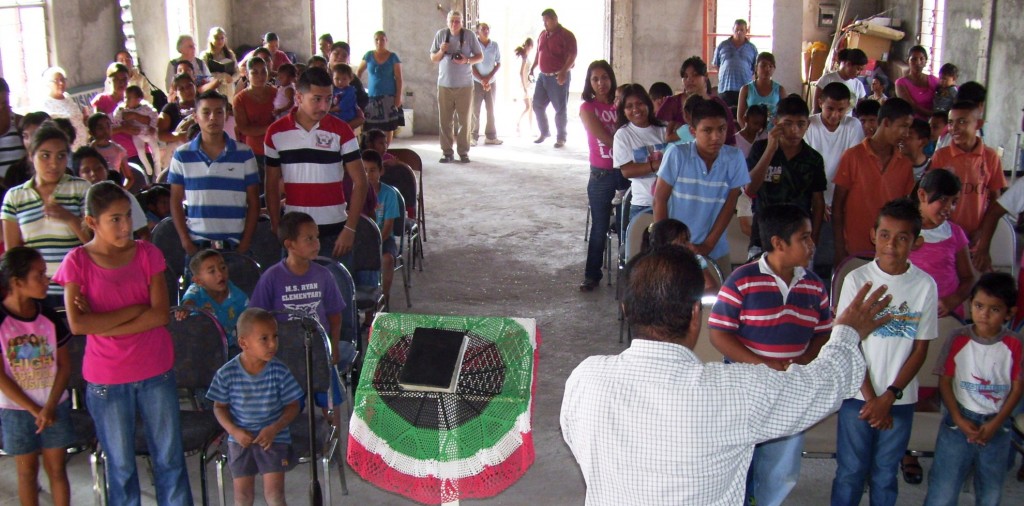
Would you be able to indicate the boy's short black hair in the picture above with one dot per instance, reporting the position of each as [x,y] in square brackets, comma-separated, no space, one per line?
[288,228]
[943,115]
[197,260]
[792,105]
[999,285]
[759,110]
[67,127]
[313,76]
[665,232]
[972,91]
[902,209]
[893,109]
[779,220]
[341,45]
[948,69]
[854,56]
[343,69]
[836,91]
[87,152]
[287,69]
[705,109]
[963,105]
[134,91]
[369,155]
[251,316]
[660,90]
[316,59]
[185,63]
[211,95]
[866,108]
[36,118]
[921,128]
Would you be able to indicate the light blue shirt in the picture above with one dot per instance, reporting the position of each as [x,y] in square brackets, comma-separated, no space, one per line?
[492,57]
[698,194]
[449,73]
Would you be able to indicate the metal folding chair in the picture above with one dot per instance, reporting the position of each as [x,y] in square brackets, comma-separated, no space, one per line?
[166,239]
[410,158]
[402,178]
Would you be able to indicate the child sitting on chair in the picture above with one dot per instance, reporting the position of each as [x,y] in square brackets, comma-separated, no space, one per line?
[212,291]
[386,213]
[670,232]
[255,397]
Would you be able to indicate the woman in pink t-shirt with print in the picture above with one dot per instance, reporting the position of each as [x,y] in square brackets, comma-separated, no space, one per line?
[115,293]
[917,87]
[598,115]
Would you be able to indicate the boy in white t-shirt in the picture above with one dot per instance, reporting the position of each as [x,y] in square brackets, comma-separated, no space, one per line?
[831,132]
[874,427]
[980,381]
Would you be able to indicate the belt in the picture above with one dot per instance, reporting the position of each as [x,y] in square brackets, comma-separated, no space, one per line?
[549,74]
[217,245]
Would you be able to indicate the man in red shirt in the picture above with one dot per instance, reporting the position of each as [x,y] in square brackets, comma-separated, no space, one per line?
[556,55]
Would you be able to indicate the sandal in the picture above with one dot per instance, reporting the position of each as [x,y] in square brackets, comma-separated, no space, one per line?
[912,472]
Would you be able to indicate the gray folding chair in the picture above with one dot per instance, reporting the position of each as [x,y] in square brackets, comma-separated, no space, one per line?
[265,247]
[410,158]
[399,230]
[400,176]
[243,271]
[166,239]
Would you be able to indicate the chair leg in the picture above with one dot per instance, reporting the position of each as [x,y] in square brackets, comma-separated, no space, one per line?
[202,478]
[220,481]
[99,478]
[405,283]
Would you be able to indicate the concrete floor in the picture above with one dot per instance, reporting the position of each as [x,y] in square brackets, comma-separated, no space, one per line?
[505,238]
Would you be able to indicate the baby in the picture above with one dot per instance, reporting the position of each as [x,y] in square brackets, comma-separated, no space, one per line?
[137,112]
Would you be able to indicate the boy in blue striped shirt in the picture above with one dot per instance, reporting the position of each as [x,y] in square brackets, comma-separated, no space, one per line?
[255,397]
[219,179]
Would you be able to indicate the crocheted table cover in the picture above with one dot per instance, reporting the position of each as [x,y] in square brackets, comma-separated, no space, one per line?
[440,447]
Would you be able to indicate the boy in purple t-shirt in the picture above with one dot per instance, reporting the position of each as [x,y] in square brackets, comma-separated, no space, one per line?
[299,284]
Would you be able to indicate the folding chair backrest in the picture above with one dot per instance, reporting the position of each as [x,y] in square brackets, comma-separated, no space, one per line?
[704,350]
[1004,247]
[265,247]
[366,252]
[243,271]
[291,350]
[635,234]
[848,265]
[398,227]
[714,269]
[925,375]
[141,179]
[410,158]
[400,176]
[165,238]
[200,347]
[349,317]
[627,200]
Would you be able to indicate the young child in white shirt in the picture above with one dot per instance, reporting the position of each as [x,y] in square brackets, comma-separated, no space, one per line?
[136,111]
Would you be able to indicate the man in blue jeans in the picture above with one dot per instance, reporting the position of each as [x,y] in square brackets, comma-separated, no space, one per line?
[556,55]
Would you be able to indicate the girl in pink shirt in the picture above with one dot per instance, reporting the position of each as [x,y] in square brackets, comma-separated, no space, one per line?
[34,406]
[115,293]
[943,253]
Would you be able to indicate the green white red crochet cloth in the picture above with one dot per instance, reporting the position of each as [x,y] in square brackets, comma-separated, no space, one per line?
[441,447]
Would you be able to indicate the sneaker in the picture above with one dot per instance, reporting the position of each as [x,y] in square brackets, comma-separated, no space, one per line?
[617,199]
[464,158]
[493,142]
[446,159]
[559,144]
[540,139]
[472,142]
[588,285]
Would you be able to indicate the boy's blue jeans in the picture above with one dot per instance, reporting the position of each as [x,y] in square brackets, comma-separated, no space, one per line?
[863,452]
[774,470]
[114,409]
[954,458]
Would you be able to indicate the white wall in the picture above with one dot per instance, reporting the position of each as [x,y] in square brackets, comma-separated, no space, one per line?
[84,36]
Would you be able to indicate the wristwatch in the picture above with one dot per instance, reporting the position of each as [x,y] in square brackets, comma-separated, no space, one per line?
[896,391]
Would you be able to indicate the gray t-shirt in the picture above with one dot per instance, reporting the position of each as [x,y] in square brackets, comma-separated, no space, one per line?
[451,74]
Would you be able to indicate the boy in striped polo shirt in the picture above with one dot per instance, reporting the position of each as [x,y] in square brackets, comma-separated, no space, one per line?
[255,397]
[219,179]
[774,312]
[311,151]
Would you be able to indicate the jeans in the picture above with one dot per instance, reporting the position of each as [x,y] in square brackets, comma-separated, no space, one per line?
[863,453]
[114,409]
[954,458]
[635,210]
[774,470]
[600,191]
[487,97]
[548,91]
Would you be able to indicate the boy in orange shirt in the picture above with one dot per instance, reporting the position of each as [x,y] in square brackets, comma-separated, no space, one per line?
[869,175]
[977,165]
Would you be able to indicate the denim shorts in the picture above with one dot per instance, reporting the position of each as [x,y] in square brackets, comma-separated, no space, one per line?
[19,430]
[389,246]
[255,460]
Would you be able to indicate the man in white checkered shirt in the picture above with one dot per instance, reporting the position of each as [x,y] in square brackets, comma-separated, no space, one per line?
[653,425]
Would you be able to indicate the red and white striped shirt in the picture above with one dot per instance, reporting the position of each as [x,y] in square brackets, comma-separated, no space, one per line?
[312,165]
